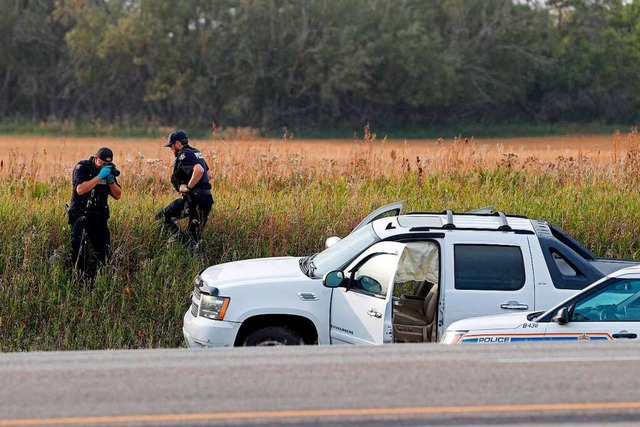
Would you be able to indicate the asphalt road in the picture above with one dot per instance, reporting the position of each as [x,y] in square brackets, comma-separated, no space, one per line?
[398,385]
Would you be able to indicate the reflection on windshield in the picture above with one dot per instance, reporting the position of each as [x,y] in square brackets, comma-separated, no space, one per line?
[607,297]
[339,254]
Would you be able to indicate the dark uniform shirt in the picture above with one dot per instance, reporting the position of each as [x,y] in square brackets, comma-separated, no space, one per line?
[94,202]
[186,159]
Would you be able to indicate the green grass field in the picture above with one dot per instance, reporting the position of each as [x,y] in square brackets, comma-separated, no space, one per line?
[278,206]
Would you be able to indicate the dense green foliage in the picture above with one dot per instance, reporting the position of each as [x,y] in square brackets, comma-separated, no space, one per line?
[140,297]
[319,64]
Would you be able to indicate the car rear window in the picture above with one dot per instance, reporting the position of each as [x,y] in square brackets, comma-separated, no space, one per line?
[488,267]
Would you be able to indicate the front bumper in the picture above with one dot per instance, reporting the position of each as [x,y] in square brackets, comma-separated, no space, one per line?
[200,332]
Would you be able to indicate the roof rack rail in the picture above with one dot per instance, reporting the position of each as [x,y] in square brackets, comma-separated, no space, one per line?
[505,224]
[449,223]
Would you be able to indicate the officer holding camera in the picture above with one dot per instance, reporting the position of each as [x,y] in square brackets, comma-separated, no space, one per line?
[190,178]
[94,180]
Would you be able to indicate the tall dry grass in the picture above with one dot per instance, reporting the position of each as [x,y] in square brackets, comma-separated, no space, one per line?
[278,197]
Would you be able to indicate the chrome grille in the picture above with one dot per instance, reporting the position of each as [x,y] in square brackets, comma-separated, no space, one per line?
[194,309]
[196,292]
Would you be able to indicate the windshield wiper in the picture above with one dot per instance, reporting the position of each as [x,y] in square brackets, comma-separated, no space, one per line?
[307,266]
[303,265]
[532,316]
[312,267]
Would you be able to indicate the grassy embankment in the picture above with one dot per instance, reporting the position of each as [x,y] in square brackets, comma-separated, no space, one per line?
[269,201]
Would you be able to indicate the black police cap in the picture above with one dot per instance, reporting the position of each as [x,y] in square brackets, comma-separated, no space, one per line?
[175,136]
[105,154]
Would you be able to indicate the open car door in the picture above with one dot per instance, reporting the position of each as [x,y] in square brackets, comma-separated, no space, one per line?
[392,209]
[361,307]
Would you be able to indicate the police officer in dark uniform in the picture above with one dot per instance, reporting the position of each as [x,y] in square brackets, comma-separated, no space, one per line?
[190,178]
[94,180]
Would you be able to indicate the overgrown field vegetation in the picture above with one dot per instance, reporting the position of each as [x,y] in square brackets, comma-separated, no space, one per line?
[276,198]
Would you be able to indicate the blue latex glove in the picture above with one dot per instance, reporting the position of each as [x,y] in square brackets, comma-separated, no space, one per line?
[104,172]
[111,179]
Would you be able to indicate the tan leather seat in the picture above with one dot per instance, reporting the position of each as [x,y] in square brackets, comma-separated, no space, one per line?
[431,312]
[421,289]
[409,318]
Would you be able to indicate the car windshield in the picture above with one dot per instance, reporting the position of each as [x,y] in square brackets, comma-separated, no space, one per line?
[343,251]
[619,300]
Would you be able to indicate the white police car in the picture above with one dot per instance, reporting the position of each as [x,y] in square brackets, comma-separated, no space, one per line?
[607,310]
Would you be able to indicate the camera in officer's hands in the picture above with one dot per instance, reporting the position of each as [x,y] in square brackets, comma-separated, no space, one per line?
[114,171]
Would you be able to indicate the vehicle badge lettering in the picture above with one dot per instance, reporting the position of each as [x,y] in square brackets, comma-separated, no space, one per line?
[338,328]
[482,340]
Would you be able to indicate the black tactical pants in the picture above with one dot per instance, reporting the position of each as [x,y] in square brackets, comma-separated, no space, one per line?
[196,207]
[89,230]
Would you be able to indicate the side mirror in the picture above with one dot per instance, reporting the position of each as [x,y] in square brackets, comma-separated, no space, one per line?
[333,279]
[562,316]
[331,241]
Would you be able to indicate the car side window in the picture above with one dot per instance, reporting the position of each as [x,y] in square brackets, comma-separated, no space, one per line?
[488,267]
[620,301]
[375,275]
[564,267]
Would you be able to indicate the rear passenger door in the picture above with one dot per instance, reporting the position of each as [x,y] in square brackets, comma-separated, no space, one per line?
[488,275]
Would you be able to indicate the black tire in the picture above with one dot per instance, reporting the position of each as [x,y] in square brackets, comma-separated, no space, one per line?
[273,335]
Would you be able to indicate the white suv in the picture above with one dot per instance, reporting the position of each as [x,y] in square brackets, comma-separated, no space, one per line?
[394,278]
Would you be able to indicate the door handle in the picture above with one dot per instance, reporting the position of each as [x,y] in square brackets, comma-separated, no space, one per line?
[374,313]
[625,335]
[514,305]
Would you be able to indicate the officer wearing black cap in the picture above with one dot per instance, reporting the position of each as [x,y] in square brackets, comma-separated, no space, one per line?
[94,180]
[190,178]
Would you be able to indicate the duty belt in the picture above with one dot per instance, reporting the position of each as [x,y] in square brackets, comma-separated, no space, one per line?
[201,192]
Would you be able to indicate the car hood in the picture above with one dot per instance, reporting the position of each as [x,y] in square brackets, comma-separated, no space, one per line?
[497,323]
[253,271]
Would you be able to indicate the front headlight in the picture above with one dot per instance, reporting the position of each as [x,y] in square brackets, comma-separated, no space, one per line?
[213,307]
[452,337]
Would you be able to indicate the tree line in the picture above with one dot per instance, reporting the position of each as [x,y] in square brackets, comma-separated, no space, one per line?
[308,64]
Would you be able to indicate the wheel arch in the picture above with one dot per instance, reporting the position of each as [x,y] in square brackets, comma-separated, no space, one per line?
[300,324]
